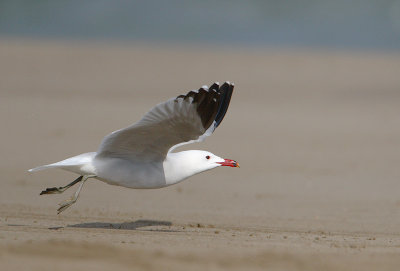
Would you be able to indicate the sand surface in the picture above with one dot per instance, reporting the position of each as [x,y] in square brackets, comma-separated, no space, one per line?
[317,135]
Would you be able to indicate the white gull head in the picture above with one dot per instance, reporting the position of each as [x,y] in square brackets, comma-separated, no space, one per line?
[181,165]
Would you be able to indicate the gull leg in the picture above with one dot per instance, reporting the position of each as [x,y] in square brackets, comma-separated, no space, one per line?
[65,204]
[59,190]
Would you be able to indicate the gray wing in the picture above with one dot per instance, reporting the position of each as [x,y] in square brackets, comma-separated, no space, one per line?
[182,120]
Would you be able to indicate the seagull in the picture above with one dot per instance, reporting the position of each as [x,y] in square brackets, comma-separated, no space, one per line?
[141,155]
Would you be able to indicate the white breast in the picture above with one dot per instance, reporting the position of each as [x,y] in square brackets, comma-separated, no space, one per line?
[118,171]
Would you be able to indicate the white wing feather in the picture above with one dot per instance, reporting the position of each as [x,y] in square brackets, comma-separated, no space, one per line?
[170,124]
[165,125]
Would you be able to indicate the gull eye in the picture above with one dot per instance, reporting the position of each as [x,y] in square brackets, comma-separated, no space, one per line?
[207,157]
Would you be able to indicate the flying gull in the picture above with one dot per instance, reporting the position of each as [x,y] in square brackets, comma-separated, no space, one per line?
[141,156]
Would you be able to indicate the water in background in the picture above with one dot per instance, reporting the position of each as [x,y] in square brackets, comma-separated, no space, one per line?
[320,23]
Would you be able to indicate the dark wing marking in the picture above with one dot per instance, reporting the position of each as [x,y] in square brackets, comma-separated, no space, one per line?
[226,91]
[212,103]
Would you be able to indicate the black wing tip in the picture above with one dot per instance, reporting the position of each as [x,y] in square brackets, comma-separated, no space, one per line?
[226,91]
[212,102]
[217,85]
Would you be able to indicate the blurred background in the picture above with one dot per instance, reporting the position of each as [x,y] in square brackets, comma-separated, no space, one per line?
[314,120]
[335,24]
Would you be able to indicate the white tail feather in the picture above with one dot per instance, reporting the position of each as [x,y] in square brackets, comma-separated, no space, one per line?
[42,168]
[81,164]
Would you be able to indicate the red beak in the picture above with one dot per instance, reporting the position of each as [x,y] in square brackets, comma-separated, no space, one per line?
[229,163]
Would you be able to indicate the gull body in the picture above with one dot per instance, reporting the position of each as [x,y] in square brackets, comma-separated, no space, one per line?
[141,156]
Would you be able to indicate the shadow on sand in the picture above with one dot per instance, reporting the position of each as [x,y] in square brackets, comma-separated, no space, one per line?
[125,225]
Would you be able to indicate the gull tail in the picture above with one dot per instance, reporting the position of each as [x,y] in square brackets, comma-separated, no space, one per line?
[80,164]
[42,167]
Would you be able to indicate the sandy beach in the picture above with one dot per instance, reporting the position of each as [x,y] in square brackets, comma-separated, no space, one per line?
[316,133]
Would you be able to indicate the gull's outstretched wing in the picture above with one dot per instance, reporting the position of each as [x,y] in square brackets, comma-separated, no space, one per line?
[182,120]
